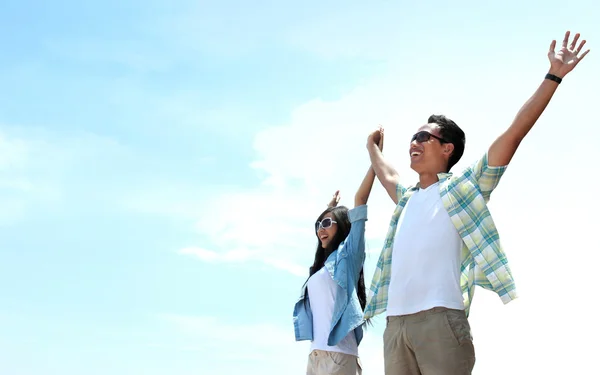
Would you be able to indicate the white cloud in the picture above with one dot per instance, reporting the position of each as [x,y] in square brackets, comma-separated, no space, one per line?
[206,255]
[244,255]
[284,265]
[271,226]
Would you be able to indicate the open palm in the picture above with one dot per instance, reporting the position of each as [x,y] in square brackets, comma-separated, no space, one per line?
[567,58]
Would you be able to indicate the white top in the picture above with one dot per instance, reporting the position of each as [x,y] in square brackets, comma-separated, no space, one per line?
[425,257]
[321,293]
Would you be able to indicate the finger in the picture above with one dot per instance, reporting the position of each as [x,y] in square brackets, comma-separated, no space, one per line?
[566,40]
[574,42]
[552,46]
[582,56]
[580,46]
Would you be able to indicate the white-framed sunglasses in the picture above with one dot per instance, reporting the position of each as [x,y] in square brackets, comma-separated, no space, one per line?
[325,223]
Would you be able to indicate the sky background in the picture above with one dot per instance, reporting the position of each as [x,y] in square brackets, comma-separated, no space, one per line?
[162,165]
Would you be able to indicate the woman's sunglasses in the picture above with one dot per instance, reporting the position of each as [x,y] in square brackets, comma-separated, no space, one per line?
[325,223]
[424,136]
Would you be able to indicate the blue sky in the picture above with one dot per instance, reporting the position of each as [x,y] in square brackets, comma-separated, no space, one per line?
[162,164]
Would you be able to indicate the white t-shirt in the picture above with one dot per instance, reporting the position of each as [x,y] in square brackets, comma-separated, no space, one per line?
[322,291]
[425,257]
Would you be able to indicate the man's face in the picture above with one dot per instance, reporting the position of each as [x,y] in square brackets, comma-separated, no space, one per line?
[428,153]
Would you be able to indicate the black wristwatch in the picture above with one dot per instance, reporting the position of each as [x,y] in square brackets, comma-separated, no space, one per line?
[554,78]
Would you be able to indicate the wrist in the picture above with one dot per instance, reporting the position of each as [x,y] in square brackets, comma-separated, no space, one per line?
[557,73]
[372,145]
[554,78]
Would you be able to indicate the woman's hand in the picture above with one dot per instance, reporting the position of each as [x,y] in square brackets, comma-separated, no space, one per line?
[334,200]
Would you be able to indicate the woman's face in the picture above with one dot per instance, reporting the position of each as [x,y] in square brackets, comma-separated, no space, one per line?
[326,229]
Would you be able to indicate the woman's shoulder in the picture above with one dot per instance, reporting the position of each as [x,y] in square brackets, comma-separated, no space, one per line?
[357,213]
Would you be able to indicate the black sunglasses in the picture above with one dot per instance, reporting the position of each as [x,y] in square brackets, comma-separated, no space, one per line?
[424,136]
[325,223]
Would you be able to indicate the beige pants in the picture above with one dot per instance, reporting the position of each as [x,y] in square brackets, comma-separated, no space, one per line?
[431,342]
[331,363]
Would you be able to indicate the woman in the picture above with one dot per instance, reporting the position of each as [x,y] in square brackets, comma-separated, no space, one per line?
[330,309]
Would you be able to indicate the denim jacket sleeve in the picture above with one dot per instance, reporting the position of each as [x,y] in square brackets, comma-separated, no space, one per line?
[353,246]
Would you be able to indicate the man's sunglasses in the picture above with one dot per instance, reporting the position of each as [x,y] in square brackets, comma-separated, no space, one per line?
[424,136]
[325,223]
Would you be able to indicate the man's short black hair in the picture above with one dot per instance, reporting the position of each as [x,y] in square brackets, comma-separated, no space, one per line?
[452,133]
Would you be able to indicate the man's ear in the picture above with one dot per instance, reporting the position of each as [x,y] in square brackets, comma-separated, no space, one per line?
[448,149]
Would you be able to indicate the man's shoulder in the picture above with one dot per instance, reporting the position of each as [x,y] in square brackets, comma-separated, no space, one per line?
[461,182]
[469,172]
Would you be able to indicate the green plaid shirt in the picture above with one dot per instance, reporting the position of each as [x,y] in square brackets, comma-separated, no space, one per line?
[483,262]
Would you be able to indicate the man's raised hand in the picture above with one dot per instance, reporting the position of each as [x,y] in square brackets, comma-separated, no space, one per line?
[376,137]
[567,57]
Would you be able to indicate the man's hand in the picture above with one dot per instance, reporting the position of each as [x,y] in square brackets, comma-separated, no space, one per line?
[376,137]
[386,174]
[334,200]
[566,59]
[561,63]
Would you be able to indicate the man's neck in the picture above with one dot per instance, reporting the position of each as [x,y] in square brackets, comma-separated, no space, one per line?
[427,179]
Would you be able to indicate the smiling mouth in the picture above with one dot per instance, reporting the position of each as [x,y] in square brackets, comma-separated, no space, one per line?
[415,153]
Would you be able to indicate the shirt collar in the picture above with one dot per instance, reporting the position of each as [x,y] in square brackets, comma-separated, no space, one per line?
[441,176]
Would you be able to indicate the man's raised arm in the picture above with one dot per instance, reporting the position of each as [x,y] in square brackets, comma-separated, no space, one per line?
[561,63]
[386,174]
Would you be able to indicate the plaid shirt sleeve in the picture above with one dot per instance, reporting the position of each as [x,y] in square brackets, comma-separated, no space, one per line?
[485,176]
[400,190]
[488,266]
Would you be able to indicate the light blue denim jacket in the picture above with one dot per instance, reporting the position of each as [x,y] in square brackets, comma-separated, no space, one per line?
[344,266]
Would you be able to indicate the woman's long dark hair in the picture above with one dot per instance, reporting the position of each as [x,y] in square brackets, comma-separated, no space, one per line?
[340,215]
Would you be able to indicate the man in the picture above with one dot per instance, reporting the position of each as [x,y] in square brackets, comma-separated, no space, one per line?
[442,240]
